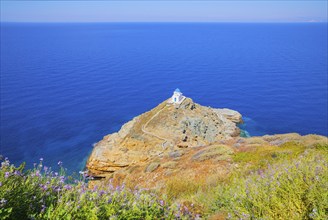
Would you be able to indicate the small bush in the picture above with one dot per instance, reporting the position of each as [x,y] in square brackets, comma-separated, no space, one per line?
[323,147]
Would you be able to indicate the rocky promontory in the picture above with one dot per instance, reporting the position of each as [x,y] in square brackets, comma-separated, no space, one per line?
[164,129]
[183,141]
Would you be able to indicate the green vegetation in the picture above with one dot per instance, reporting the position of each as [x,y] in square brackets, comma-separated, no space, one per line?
[43,194]
[261,156]
[294,189]
[289,181]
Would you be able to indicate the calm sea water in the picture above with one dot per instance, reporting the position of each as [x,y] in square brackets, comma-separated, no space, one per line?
[65,86]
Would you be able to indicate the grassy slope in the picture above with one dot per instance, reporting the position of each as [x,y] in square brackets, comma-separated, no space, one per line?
[288,181]
[270,182]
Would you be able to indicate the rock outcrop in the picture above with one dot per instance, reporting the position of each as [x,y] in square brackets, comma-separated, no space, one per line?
[174,143]
[165,129]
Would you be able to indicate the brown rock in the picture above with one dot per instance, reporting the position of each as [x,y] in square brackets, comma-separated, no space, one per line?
[161,130]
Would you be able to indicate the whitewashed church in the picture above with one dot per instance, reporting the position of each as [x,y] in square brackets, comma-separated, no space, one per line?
[177,97]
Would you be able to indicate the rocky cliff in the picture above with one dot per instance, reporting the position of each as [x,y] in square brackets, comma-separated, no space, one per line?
[164,129]
[172,143]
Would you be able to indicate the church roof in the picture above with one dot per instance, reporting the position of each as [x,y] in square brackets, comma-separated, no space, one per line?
[177,90]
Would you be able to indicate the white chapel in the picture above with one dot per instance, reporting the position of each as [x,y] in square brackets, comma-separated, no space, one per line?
[177,97]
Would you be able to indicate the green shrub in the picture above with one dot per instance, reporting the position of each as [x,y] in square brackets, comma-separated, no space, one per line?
[323,147]
[294,189]
[43,194]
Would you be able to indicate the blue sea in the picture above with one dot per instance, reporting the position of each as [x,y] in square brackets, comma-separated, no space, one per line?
[65,86]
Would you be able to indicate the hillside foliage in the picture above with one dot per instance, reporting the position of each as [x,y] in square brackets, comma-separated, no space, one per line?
[289,182]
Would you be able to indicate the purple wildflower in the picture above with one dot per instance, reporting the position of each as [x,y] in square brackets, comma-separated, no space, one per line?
[244,215]
[0,183]
[44,187]
[5,163]
[247,192]
[84,173]
[60,163]
[3,201]
[186,209]
[68,187]
[177,215]
[45,168]
[62,179]
[6,174]
[102,192]
[43,208]
[37,173]
[41,159]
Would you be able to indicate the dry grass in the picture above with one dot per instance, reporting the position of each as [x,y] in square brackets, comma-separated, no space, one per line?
[266,153]
[181,188]
[255,140]
[220,152]
[312,140]
[195,181]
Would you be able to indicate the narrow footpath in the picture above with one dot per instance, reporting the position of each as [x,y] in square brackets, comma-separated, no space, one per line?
[143,128]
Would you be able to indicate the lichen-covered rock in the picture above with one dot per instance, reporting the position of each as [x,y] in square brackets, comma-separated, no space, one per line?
[170,165]
[152,166]
[175,154]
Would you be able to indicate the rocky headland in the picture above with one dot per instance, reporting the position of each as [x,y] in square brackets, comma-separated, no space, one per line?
[179,141]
